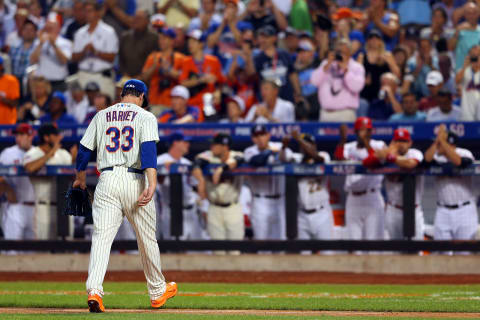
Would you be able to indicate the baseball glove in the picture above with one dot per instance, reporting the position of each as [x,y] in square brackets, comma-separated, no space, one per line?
[78,202]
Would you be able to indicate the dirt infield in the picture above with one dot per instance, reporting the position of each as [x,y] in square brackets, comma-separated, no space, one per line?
[252,277]
[253,312]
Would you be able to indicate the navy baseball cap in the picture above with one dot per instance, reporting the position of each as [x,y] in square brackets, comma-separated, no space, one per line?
[267,30]
[46,129]
[374,33]
[139,86]
[178,136]
[222,138]
[169,32]
[60,96]
[92,86]
[259,129]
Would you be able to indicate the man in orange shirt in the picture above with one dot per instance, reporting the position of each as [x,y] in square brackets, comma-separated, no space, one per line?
[201,73]
[161,71]
[9,95]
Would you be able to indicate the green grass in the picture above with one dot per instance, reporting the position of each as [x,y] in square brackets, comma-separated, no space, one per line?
[445,298]
[133,295]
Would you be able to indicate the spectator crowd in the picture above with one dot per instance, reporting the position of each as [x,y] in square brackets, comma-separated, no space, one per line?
[241,61]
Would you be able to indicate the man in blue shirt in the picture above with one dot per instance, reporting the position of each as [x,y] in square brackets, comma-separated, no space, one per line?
[181,112]
[410,110]
[274,63]
[57,112]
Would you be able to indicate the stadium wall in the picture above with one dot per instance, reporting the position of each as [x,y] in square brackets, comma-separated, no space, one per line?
[377,264]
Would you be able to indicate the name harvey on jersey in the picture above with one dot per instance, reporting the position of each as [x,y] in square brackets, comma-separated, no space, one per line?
[120,116]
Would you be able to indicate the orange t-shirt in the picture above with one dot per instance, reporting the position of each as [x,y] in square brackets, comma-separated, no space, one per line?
[209,65]
[9,86]
[157,96]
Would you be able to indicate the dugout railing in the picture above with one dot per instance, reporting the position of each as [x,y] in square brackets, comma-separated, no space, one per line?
[64,175]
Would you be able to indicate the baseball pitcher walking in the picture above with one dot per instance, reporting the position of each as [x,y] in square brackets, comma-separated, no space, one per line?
[124,136]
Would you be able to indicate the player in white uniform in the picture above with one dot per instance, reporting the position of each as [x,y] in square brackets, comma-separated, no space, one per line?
[124,137]
[225,219]
[49,152]
[365,207]
[18,218]
[401,153]
[179,147]
[456,217]
[268,206]
[315,217]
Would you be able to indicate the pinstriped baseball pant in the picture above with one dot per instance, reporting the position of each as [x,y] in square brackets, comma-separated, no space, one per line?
[116,196]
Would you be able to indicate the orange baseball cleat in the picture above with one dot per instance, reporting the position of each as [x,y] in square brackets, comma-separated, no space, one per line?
[95,303]
[170,292]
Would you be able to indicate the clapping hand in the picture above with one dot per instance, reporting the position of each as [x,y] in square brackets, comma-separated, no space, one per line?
[442,133]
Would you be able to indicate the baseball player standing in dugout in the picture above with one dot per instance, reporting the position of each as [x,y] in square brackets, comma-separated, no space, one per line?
[125,137]
[315,217]
[401,153]
[456,217]
[365,205]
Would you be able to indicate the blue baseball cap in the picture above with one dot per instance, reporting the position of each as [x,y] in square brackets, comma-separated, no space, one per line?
[59,95]
[244,26]
[169,32]
[178,136]
[137,85]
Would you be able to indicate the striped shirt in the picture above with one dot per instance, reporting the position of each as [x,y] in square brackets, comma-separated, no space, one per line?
[20,57]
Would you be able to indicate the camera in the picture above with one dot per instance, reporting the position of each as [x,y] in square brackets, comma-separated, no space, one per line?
[338,56]
[323,22]
[164,84]
[473,59]
[199,87]
[165,81]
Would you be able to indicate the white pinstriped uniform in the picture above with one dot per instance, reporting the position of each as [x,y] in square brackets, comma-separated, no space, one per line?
[268,214]
[117,133]
[191,222]
[46,194]
[459,223]
[315,217]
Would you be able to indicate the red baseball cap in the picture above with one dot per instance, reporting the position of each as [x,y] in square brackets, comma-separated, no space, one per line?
[363,123]
[23,128]
[401,134]
[346,13]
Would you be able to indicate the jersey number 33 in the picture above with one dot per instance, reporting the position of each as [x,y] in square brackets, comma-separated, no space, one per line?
[114,133]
